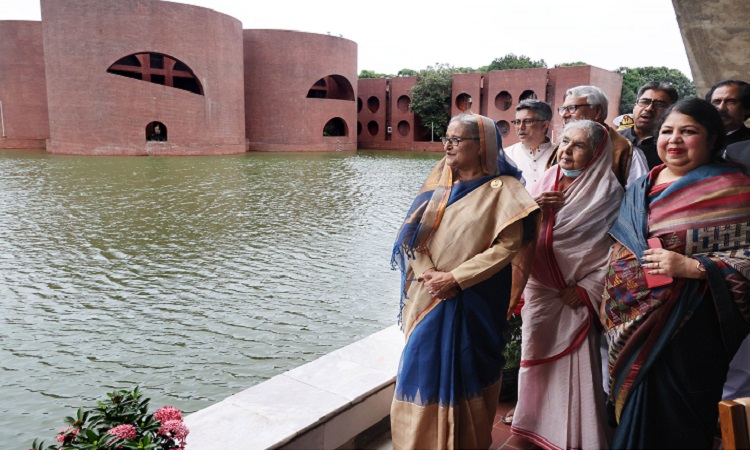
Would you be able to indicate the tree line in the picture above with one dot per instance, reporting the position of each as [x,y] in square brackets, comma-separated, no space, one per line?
[431,95]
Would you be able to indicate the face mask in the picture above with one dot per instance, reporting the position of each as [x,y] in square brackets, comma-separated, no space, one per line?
[571,173]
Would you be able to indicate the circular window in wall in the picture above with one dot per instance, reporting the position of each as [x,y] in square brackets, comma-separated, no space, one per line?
[403,103]
[373,104]
[373,128]
[404,128]
[359,104]
[463,102]
[504,127]
[359,128]
[528,95]
[503,101]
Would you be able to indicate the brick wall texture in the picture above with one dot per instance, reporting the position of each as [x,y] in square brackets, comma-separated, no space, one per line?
[23,91]
[92,111]
[262,90]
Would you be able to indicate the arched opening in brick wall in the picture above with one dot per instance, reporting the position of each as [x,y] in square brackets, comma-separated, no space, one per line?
[156,132]
[158,69]
[359,128]
[333,87]
[335,127]
[359,104]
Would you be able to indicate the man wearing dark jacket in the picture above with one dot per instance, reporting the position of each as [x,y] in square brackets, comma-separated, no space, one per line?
[732,99]
[653,99]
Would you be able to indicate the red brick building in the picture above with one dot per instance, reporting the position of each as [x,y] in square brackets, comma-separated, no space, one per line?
[142,77]
[300,91]
[149,77]
[383,102]
[384,121]
[23,90]
[372,118]
[499,93]
[496,94]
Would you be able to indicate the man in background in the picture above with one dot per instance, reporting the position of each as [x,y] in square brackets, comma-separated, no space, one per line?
[533,118]
[732,99]
[590,102]
[653,99]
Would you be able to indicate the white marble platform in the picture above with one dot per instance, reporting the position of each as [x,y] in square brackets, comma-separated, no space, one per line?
[322,404]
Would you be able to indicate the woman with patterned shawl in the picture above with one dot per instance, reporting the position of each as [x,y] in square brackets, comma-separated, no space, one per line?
[670,346]
[465,229]
[561,403]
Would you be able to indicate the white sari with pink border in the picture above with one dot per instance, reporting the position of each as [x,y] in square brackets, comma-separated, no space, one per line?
[561,403]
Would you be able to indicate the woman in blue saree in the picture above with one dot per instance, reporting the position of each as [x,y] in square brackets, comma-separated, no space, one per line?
[466,226]
[670,343]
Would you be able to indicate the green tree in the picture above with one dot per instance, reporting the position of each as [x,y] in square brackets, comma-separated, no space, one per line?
[571,64]
[511,61]
[634,78]
[431,96]
[372,74]
[407,73]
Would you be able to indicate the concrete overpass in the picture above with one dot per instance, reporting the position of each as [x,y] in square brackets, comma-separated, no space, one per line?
[716,34]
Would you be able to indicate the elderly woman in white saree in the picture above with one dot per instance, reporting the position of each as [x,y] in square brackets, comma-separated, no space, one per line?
[561,403]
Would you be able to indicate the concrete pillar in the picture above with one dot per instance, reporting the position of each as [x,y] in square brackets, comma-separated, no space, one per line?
[716,34]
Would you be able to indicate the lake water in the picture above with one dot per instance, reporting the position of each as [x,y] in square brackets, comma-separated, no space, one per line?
[193,277]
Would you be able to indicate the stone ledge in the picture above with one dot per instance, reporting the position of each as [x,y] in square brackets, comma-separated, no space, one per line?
[322,404]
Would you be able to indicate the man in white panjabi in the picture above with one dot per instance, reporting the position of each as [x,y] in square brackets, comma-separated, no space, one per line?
[533,118]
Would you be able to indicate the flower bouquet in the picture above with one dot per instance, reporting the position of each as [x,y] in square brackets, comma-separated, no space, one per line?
[121,422]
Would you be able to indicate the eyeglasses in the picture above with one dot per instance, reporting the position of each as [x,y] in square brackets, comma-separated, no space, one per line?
[527,122]
[571,108]
[658,104]
[456,141]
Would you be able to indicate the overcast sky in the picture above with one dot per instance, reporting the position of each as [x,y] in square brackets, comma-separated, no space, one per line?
[397,34]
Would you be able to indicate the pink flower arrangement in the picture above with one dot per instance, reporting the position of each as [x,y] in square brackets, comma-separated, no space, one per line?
[124,431]
[121,421]
[168,413]
[174,429]
[63,435]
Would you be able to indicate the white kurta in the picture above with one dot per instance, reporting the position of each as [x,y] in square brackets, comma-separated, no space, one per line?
[532,164]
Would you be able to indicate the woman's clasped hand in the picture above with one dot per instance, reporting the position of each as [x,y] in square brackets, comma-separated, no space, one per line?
[439,284]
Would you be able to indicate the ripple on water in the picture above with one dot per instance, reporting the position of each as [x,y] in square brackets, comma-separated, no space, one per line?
[195,277]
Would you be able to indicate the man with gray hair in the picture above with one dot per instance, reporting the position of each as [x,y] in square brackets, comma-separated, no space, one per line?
[653,99]
[533,118]
[590,102]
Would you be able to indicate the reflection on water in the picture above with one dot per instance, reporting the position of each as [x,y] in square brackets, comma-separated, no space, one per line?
[195,277]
